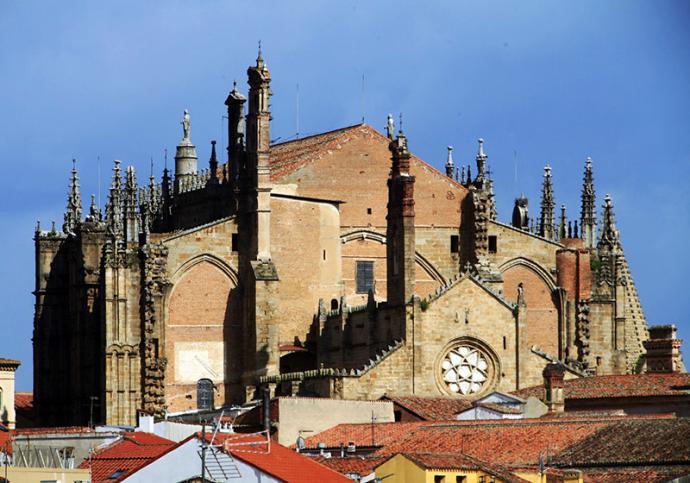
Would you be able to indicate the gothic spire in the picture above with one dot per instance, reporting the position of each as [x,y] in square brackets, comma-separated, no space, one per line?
[213,165]
[610,239]
[131,208]
[547,222]
[588,219]
[94,211]
[73,212]
[449,163]
[113,210]
[562,225]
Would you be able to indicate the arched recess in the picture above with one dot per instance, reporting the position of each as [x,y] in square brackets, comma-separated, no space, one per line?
[532,265]
[542,300]
[425,264]
[204,257]
[201,338]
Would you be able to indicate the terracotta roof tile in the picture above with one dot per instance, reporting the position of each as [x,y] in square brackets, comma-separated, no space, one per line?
[627,385]
[125,456]
[55,430]
[501,408]
[432,408]
[362,465]
[281,462]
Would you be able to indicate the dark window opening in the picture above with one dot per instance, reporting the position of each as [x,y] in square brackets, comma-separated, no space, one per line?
[505,344]
[154,343]
[397,415]
[324,254]
[334,304]
[234,242]
[460,479]
[368,211]
[204,394]
[439,479]
[454,244]
[364,276]
[493,244]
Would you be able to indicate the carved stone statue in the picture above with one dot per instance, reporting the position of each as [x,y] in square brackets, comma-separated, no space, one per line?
[185,125]
[390,127]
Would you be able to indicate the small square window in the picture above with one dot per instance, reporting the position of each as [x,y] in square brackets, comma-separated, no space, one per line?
[364,277]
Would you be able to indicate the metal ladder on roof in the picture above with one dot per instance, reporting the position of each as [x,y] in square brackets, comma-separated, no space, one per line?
[220,466]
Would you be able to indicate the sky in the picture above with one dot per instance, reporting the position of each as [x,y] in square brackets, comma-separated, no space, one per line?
[541,81]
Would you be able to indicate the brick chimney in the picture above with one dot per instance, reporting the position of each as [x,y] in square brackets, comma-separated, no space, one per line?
[663,349]
[553,387]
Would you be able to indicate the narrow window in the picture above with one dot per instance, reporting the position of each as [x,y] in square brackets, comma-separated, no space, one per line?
[324,254]
[493,244]
[204,394]
[364,276]
[234,242]
[334,304]
[368,211]
[454,244]
[505,345]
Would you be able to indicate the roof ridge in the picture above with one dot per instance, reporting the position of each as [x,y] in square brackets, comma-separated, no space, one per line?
[332,131]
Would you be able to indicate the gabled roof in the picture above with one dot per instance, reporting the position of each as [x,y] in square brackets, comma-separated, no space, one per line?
[120,459]
[620,386]
[279,462]
[431,408]
[289,156]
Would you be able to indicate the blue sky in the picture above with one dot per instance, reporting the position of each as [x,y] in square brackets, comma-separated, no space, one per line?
[540,81]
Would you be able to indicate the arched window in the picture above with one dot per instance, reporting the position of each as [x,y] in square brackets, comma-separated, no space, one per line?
[334,304]
[204,394]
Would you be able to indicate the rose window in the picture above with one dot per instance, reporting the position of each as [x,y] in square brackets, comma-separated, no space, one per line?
[465,370]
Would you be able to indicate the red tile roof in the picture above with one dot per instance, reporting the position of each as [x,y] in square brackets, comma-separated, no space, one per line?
[287,157]
[291,155]
[133,451]
[361,434]
[362,465]
[644,474]
[501,408]
[431,408]
[619,386]
[280,462]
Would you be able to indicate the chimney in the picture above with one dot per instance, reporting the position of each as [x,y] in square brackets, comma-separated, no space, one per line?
[146,422]
[663,349]
[553,387]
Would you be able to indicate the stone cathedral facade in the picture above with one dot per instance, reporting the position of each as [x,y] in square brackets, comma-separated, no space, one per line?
[336,265]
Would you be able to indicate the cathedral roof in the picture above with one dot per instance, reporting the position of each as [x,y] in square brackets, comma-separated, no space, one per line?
[287,157]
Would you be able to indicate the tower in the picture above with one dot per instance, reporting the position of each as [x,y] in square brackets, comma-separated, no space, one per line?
[185,156]
[588,218]
[400,229]
[235,104]
[257,273]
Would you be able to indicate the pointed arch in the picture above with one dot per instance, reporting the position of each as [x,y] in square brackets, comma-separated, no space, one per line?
[532,265]
[205,257]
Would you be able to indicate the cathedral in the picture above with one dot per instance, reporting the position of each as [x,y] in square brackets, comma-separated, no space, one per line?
[336,265]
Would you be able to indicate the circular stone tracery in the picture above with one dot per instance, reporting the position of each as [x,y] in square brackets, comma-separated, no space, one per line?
[465,369]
